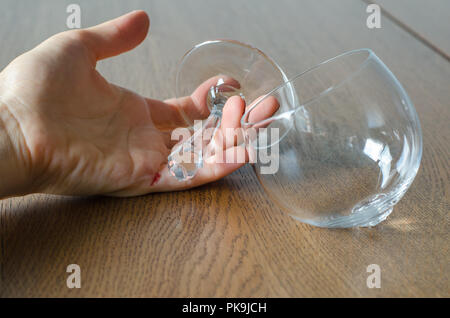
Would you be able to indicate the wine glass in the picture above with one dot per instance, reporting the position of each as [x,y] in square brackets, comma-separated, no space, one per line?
[255,72]
[345,150]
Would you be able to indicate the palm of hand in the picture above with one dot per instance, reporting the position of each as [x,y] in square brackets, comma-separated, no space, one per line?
[91,136]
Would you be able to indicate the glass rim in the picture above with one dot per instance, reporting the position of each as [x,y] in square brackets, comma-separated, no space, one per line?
[230,41]
[370,54]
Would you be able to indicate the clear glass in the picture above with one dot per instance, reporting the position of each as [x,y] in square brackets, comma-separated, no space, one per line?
[349,144]
[255,72]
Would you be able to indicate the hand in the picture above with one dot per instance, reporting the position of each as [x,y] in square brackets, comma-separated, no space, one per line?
[71,132]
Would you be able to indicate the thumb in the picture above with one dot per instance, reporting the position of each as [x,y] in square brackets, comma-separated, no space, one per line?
[118,35]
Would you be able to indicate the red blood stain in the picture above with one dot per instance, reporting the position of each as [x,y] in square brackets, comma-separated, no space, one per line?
[156,178]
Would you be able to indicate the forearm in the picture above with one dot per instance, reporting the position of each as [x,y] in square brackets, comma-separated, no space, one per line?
[14,173]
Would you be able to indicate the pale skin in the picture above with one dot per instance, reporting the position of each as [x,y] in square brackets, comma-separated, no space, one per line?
[64,129]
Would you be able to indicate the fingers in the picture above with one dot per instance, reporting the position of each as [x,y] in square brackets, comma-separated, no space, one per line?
[227,157]
[231,121]
[266,108]
[183,111]
[116,36]
[210,172]
[165,116]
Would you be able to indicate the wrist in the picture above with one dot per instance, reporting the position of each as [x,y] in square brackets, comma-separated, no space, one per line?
[15,170]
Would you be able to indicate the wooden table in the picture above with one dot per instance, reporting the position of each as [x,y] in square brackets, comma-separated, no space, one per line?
[227,238]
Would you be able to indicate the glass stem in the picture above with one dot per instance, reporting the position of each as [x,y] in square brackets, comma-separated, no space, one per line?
[187,157]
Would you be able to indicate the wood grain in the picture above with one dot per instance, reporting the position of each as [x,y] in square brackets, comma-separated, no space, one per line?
[428,18]
[227,238]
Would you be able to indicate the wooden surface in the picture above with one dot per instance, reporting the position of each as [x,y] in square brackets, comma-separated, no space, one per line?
[227,238]
[429,20]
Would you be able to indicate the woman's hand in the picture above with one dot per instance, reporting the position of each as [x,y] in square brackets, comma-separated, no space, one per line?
[65,130]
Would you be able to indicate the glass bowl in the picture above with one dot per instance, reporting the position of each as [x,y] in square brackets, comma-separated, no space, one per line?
[344,150]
